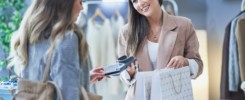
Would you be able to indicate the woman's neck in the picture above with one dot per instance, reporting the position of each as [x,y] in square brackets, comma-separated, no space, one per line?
[156,19]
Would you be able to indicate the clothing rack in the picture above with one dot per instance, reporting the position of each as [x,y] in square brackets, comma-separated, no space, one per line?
[175,6]
[243,5]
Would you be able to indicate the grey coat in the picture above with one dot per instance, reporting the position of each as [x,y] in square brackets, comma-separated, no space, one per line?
[66,69]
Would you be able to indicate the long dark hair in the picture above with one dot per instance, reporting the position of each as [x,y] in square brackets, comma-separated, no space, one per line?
[138,28]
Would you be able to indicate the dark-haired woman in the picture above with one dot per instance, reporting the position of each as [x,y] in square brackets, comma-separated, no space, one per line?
[157,40]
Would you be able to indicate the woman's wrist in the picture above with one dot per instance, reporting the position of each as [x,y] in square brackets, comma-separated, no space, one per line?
[131,74]
[186,63]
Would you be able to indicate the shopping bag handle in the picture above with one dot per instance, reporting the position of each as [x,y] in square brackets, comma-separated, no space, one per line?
[174,86]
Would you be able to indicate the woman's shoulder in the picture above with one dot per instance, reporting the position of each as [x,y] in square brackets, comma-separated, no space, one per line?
[181,20]
[70,39]
[124,30]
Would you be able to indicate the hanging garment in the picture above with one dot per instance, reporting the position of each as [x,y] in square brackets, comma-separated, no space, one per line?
[82,22]
[102,52]
[224,90]
[101,43]
[240,30]
[116,25]
[233,67]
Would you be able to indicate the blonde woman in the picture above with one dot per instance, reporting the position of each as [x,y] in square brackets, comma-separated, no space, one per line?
[48,26]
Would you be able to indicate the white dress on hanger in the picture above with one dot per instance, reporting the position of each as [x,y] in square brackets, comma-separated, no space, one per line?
[116,25]
[101,45]
[102,52]
[82,21]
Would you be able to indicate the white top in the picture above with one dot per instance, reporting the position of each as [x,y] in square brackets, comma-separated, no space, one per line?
[153,49]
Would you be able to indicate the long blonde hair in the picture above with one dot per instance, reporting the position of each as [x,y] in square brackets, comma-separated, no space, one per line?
[44,18]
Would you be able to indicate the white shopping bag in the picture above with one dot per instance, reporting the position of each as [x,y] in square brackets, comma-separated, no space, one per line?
[156,87]
[175,84]
[164,84]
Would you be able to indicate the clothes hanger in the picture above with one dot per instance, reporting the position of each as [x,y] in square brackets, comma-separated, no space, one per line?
[98,13]
[169,9]
[116,13]
[175,6]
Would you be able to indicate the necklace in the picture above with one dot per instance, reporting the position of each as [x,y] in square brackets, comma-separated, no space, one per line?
[154,36]
[157,32]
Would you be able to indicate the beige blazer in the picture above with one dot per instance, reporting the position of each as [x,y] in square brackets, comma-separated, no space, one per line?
[241,45]
[177,38]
